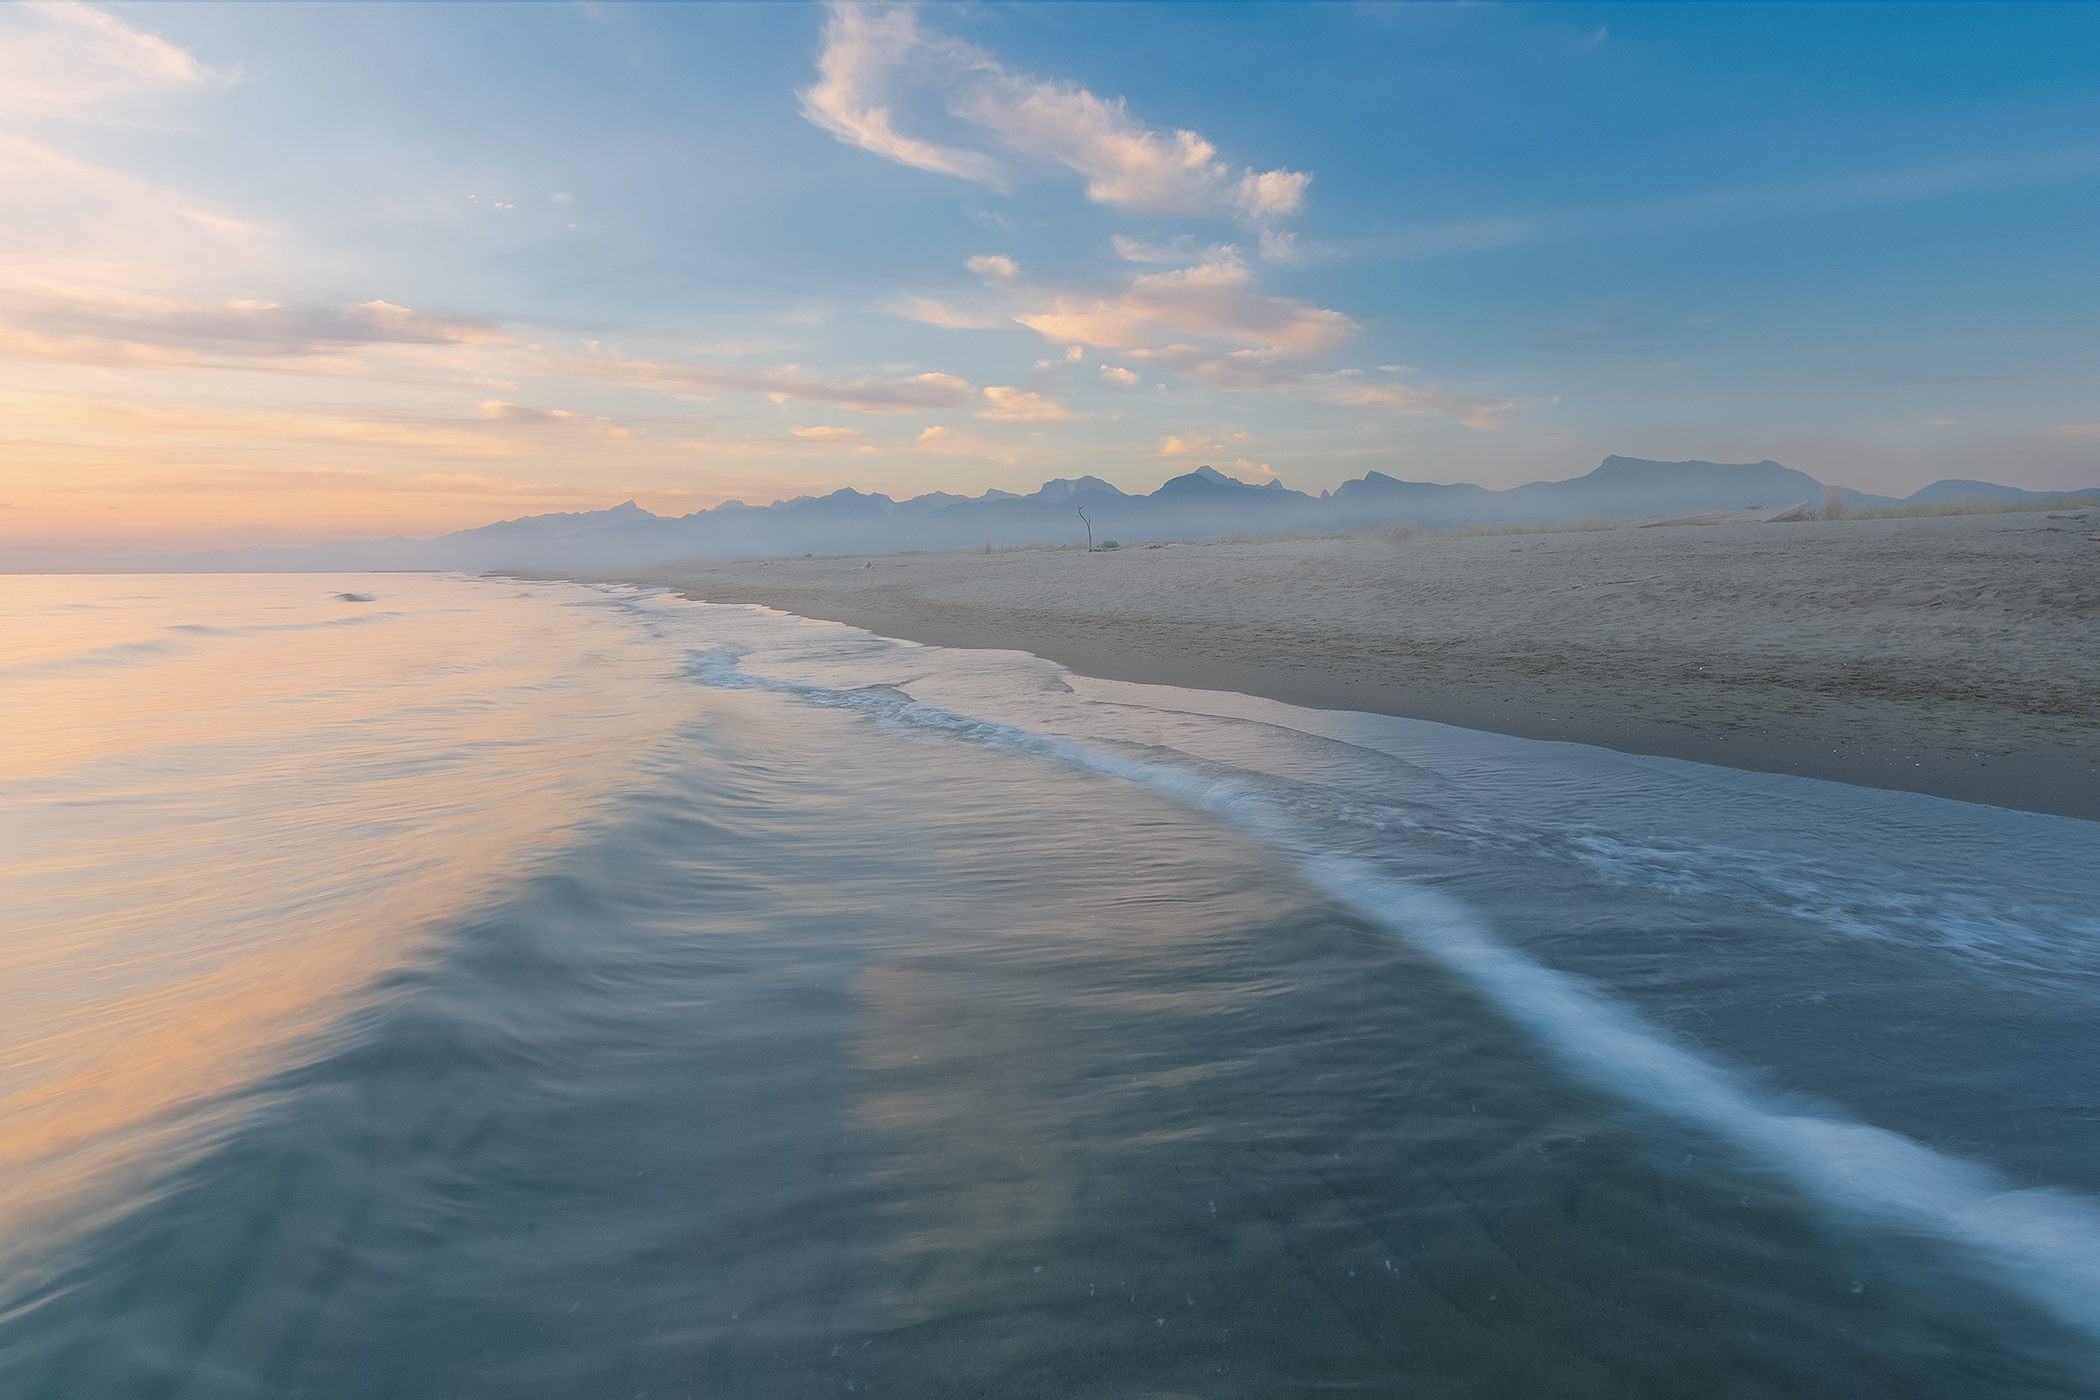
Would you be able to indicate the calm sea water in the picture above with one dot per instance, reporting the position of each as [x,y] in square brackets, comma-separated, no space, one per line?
[428,987]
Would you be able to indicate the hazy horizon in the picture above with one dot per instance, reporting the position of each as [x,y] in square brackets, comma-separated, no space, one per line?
[295,273]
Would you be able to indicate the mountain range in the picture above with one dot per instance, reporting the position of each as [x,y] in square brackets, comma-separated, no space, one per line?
[1199,505]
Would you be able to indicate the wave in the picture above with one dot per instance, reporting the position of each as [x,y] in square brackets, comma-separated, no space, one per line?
[262,629]
[2042,1241]
[120,654]
[2005,936]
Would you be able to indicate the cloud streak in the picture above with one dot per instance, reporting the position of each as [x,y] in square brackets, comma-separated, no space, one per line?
[1258,344]
[1215,299]
[950,442]
[1011,405]
[911,394]
[867,53]
[142,323]
[1274,372]
[1197,444]
[240,429]
[63,59]
[870,53]
[500,411]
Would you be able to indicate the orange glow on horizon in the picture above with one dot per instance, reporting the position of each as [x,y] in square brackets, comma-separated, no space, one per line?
[79,472]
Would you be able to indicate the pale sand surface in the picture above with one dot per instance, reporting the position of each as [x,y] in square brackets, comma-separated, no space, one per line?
[1958,656]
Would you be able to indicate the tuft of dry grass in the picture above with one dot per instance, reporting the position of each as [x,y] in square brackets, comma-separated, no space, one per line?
[1404,530]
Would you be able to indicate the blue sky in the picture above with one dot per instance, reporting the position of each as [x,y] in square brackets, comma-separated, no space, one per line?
[301,271]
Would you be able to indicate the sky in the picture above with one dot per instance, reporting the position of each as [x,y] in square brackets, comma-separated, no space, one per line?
[286,273]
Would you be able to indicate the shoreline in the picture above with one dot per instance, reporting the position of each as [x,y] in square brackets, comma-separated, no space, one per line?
[1952,656]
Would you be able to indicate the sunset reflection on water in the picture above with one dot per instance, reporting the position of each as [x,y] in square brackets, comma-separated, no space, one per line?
[231,805]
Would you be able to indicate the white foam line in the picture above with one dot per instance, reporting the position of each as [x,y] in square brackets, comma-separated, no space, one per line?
[2044,1241]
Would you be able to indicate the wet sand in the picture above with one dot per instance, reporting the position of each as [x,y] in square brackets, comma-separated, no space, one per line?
[1957,656]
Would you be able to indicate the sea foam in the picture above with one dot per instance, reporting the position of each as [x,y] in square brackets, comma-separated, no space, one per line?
[2040,1241]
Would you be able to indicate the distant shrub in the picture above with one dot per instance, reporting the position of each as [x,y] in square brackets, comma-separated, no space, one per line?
[1833,504]
[1402,530]
[1110,544]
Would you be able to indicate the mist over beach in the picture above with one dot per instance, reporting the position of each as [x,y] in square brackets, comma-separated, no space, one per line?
[1049,700]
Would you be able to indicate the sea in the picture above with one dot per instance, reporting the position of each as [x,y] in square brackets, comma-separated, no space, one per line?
[419,986]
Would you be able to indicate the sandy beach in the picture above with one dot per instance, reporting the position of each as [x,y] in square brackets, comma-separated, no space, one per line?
[1957,656]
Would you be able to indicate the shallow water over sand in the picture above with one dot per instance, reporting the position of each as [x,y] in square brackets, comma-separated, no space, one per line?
[500,990]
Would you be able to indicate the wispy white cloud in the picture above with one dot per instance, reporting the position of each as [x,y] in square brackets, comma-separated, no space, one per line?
[910,394]
[950,442]
[2080,432]
[1198,444]
[1180,250]
[1257,343]
[1215,299]
[837,437]
[1430,402]
[64,323]
[486,436]
[1170,359]
[1256,371]
[1354,389]
[248,327]
[86,248]
[1127,165]
[1278,247]
[64,211]
[59,58]
[1273,372]
[501,411]
[869,53]
[830,436]
[935,312]
[1011,405]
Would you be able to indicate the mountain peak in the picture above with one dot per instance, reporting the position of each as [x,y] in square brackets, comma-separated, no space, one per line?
[1218,478]
[1063,488]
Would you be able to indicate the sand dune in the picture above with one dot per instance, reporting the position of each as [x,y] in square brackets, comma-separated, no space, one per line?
[1958,656]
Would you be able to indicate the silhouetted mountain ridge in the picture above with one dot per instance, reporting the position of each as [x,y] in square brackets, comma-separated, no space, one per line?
[1196,505]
